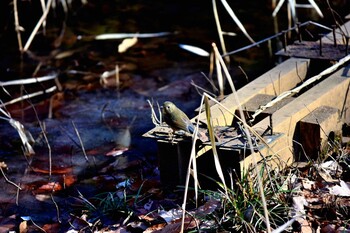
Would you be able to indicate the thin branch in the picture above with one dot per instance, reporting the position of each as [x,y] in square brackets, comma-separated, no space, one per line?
[80,140]
[7,180]
[56,206]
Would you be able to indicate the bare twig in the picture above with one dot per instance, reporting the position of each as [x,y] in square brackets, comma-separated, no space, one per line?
[40,228]
[155,120]
[7,180]
[80,140]
[201,88]
[56,206]
[42,127]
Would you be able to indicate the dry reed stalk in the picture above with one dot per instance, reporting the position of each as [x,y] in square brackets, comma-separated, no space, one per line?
[18,28]
[155,120]
[212,140]
[28,80]
[236,20]
[117,79]
[261,189]
[220,33]
[219,75]
[192,161]
[42,3]
[38,25]
[43,127]
[80,141]
[28,96]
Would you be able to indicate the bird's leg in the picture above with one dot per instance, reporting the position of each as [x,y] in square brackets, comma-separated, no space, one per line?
[171,136]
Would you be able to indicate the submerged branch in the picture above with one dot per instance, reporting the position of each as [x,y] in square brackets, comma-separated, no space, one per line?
[2,164]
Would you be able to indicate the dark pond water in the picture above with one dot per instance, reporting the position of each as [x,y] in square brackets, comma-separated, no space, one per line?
[107,118]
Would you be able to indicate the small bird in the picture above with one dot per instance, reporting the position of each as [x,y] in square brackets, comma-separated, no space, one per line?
[176,119]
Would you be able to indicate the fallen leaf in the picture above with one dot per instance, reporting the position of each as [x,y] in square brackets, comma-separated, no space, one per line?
[126,44]
[190,223]
[23,227]
[343,190]
[209,207]
[50,187]
[155,228]
[196,50]
[170,215]
[115,152]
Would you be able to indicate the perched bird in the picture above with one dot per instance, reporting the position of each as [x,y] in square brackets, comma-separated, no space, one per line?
[176,118]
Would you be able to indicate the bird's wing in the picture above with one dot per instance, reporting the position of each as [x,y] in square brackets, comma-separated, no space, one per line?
[189,125]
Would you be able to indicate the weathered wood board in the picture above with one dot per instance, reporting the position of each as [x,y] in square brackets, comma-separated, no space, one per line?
[290,118]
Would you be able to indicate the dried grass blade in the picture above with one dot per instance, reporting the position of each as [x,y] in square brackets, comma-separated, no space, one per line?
[220,32]
[194,49]
[40,22]
[234,17]
[25,136]
[315,6]
[28,96]
[212,140]
[28,80]
[114,36]
[278,7]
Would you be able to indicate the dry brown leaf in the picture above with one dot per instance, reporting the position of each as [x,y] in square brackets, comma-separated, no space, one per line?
[155,228]
[23,227]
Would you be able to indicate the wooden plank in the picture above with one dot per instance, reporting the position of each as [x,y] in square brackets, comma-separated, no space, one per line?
[314,131]
[333,92]
[258,100]
[173,162]
[281,78]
